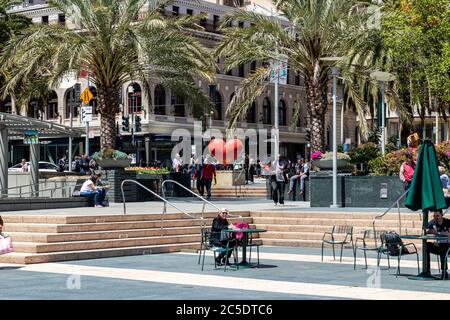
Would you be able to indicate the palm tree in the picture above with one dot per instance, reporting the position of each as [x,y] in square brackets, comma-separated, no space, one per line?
[116,41]
[10,24]
[309,31]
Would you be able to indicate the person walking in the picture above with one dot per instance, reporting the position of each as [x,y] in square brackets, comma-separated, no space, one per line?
[407,170]
[24,167]
[208,173]
[279,181]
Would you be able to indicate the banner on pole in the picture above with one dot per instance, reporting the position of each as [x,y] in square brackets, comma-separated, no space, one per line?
[282,66]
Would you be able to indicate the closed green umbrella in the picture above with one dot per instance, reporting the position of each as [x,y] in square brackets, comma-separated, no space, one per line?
[425,193]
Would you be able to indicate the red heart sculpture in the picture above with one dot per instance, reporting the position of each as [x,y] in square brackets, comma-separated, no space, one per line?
[233,149]
[226,153]
[217,149]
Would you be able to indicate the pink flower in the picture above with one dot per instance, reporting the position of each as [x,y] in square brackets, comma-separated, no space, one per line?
[448,153]
[316,155]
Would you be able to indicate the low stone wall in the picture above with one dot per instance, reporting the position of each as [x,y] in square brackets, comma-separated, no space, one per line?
[19,204]
[354,191]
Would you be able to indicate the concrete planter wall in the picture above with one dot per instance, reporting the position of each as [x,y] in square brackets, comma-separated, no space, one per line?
[112,163]
[355,191]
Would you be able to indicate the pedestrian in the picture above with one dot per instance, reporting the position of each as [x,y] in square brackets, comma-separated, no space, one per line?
[407,170]
[93,166]
[298,174]
[208,173]
[279,181]
[198,175]
[62,163]
[2,234]
[177,163]
[91,189]
[76,164]
[445,182]
[25,166]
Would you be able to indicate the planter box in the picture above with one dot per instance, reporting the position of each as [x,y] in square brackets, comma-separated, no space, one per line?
[328,164]
[228,178]
[111,163]
[354,191]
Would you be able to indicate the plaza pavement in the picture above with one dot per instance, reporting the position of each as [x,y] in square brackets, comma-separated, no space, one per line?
[285,273]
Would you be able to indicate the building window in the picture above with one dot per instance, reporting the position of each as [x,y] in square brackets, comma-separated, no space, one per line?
[134,93]
[69,99]
[45,20]
[93,102]
[6,105]
[216,22]
[160,100]
[175,10]
[253,66]
[297,79]
[62,19]
[241,24]
[52,105]
[178,105]
[282,112]
[230,72]
[267,111]
[241,71]
[216,99]
[203,21]
[251,113]
[190,12]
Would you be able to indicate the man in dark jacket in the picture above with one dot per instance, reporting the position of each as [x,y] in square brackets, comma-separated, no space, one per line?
[220,223]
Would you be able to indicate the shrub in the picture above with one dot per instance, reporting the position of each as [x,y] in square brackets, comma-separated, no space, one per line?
[389,165]
[340,156]
[110,154]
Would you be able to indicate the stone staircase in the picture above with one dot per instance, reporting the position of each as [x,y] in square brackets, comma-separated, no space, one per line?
[50,238]
[245,191]
[306,229]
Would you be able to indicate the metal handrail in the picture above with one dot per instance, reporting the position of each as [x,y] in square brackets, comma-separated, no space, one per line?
[196,195]
[160,198]
[386,211]
[48,189]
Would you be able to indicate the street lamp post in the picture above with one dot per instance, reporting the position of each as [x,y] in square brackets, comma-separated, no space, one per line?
[334,73]
[131,91]
[382,77]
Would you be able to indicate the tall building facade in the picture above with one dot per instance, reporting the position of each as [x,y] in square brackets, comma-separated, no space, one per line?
[168,111]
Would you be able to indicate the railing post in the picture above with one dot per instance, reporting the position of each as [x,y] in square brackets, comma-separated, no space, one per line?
[399,218]
[162,218]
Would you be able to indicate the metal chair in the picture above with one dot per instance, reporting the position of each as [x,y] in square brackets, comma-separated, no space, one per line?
[252,244]
[338,230]
[377,246]
[206,244]
[391,241]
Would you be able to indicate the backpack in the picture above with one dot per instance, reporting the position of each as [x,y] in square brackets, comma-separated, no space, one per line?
[395,242]
[75,165]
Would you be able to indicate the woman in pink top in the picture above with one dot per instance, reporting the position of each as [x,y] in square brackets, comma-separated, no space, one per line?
[407,170]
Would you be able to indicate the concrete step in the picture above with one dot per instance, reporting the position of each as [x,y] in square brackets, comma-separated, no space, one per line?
[27,258]
[71,228]
[357,231]
[336,215]
[330,222]
[100,235]
[32,247]
[55,219]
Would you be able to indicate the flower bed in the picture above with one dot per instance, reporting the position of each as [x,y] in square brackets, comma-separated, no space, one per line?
[147,170]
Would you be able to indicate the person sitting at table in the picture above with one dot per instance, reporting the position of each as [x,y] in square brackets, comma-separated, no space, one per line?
[220,239]
[439,226]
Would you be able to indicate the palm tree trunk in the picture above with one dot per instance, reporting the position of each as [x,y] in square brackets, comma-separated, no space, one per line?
[108,105]
[316,97]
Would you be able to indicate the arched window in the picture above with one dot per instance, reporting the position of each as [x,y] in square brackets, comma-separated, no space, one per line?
[134,94]
[6,105]
[217,101]
[160,100]
[177,102]
[33,109]
[329,138]
[251,113]
[267,111]
[282,113]
[52,105]
[93,102]
[70,93]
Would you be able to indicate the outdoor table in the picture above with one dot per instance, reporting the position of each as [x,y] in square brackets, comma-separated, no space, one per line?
[425,274]
[245,233]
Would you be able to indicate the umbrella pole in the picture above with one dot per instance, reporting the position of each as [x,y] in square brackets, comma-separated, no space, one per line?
[425,274]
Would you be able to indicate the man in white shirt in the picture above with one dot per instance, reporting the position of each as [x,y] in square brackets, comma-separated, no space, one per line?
[24,167]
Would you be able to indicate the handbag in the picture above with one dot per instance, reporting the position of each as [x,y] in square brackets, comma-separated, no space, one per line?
[5,245]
